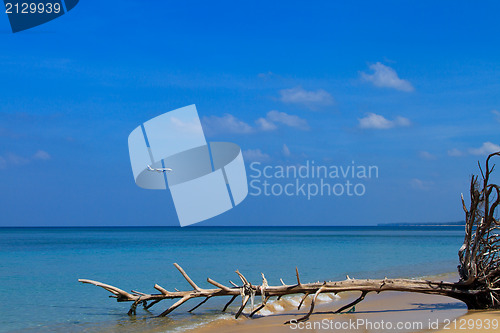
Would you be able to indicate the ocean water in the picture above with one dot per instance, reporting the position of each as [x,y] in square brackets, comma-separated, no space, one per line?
[39,268]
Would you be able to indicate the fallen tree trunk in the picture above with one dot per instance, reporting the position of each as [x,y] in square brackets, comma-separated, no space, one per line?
[478,288]
[248,291]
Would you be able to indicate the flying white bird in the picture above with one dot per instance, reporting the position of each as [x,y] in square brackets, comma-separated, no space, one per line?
[160,170]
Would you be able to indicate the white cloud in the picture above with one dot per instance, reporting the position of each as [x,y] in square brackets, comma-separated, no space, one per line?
[16,159]
[455,152]
[11,159]
[41,155]
[377,121]
[311,99]
[190,126]
[421,184]
[267,75]
[255,155]
[425,155]
[230,124]
[497,115]
[485,149]
[373,120]
[287,119]
[401,121]
[225,124]
[386,77]
[265,125]
[286,150]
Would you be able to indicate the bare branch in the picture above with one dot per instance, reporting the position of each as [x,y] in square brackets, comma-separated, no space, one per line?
[202,302]
[228,303]
[298,278]
[359,299]
[311,309]
[302,300]
[175,306]
[188,279]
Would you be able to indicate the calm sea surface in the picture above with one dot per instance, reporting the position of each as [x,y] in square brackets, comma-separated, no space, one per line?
[39,267]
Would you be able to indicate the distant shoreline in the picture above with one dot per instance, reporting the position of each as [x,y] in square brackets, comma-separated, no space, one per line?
[423,224]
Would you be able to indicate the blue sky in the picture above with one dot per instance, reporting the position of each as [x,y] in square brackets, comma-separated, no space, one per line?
[410,87]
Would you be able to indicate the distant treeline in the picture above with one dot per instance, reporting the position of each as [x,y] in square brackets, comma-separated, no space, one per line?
[418,224]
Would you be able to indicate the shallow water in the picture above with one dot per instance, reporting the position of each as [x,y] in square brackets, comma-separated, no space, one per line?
[39,267]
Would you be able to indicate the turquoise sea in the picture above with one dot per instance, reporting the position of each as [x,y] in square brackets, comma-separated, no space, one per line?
[39,267]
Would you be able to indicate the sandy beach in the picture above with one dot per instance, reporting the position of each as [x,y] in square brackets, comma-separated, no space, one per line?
[475,321]
[386,312]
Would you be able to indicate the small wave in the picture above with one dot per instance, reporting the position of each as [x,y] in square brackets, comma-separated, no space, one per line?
[329,297]
[295,300]
[291,302]
[205,321]
[278,307]
[265,312]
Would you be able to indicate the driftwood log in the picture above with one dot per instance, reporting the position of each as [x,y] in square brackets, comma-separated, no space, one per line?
[478,287]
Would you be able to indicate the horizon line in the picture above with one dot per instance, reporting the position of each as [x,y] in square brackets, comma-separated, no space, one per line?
[423,224]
